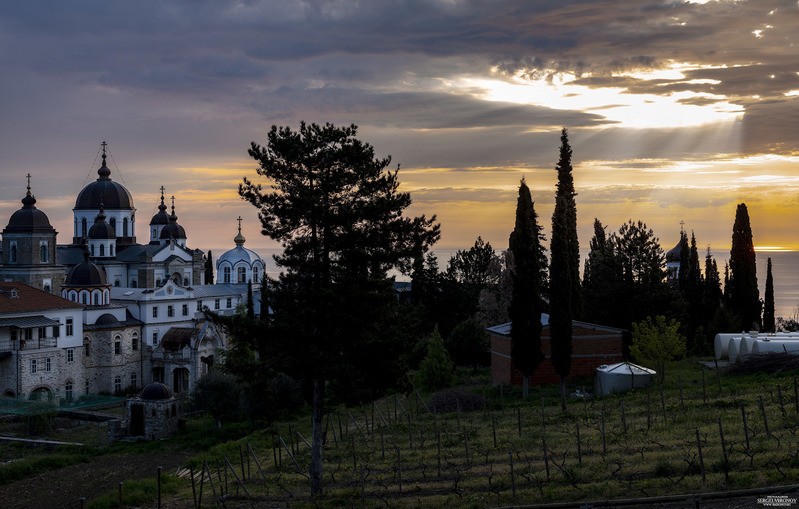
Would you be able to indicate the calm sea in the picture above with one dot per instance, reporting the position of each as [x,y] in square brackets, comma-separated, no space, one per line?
[785,268]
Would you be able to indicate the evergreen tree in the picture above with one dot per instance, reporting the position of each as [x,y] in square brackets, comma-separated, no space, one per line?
[525,304]
[692,290]
[339,215]
[565,297]
[436,370]
[711,299]
[250,303]
[209,269]
[602,281]
[769,324]
[743,291]
[264,316]
[684,262]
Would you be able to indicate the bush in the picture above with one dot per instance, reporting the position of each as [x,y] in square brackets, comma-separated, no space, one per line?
[436,370]
[454,400]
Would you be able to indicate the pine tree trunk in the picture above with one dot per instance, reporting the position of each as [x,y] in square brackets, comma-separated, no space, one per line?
[318,411]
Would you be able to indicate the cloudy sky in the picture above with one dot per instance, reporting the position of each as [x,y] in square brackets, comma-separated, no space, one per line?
[677,110]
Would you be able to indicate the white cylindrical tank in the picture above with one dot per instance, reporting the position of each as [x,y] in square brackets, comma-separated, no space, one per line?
[734,348]
[721,344]
[775,346]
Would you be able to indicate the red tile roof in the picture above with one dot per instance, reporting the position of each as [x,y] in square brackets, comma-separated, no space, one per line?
[30,299]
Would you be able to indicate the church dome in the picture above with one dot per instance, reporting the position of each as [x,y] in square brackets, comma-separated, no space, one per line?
[173,230]
[161,217]
[104,190]
[86,273]
[28,219]
[674,254]
[100,229]
[106,319]
[155,391]
[239,253]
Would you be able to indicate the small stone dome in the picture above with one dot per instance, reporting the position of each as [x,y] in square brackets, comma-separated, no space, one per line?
[155,391]
[161,217]
[86,273]
[106,319]
[173,230]
[103,190]
[29,219]
[100,229]
[239,253]
[673,255]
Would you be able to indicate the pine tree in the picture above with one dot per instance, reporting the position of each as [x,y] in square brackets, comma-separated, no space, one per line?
[602,281]
[250,303]
[209,269]
[339,215]
[769,325]
[743,291]
[684,262]
[525,304]
[565,296]
[264,316]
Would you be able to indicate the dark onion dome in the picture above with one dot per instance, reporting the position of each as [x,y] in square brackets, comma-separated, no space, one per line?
[673,255]
[161,217]
[100,229]
[29,219]
[86,273]
[106,319]
[105,190]
[155,391]
[173,230]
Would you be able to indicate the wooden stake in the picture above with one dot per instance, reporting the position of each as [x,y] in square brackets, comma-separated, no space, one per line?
[701,459]
[579,444]
[494,429]
[512,475]
[546,454]
[604,444]
[704,387]
[765,418]
[746,427]
[779,394]
[519,420]
[623,419]
[724,452]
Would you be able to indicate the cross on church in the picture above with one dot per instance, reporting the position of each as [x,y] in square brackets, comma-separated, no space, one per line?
[239,220]
[104,145]
[162,192]
[29,181]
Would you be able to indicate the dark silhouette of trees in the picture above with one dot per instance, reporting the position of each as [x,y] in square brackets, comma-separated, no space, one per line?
[769,323]
[744,296]
[250,302]
[339,215]
[603,280]
[565,296]
[525,305]
[209,269]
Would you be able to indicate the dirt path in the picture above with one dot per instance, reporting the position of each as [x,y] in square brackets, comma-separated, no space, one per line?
[63,488]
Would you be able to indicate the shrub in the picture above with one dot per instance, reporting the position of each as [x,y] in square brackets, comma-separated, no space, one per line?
[436,370]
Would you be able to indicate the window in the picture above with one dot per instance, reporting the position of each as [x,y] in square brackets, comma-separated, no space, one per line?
[155,311]
[96,299]
[12,256]
[216,303]
[47,365]
[186,281]
[229,303]
[117,346]
[102,249]
[170,311]
[118,384]
[91,248]
[155,234]
[69,327]
[113,222]
[242,275]
[134,342]
[84,297]
[28,334]
[185,310]
[42,332]
[47,288]
[33,366]
[199,305]
[43,254]
[155,337]
[68,390]
[255,274]
[133,379]
[83,227]
[86,387]
[117,283]
[226,272]
[124,226]
[56,331]
[70,355]
[12,333]
[110,250]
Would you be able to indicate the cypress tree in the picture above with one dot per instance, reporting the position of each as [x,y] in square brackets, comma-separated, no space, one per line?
[250,303]
[209,269]
[684,262]
[769,324]
[525,304]
[743,291]
[565,296]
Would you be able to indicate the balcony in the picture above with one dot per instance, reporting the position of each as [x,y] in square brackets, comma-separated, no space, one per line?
[27,345]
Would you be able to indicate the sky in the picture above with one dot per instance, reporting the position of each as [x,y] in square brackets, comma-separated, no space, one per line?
[676,110]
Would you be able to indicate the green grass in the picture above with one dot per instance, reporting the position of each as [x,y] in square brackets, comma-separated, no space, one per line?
[137,493]
[24,467]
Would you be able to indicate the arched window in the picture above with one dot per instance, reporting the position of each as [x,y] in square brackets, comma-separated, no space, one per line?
[84,297]
[113,223]
[134,283]
[91,249]
[68,390]
[43,253]
[226,272]
[255,274]
[242,275]
[96,299]
[110,250]
[134,342]
[102,249]
[125,227]
[117,283]
[83,227]
[12,256]
[155,234]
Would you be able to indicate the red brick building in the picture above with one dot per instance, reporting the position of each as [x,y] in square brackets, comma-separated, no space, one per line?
[592,346]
